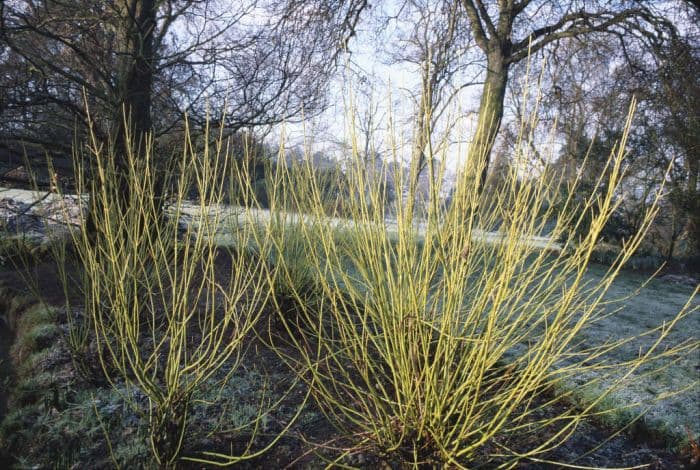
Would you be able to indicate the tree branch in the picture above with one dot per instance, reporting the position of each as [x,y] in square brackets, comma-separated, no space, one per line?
[477,29]
[573,25]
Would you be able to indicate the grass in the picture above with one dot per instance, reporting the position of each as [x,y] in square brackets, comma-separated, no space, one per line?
[640,310]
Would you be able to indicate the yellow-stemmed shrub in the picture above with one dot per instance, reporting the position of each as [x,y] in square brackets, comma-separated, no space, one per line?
[436,343]
[167,309]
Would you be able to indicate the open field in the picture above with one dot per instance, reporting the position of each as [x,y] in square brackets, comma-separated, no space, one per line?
[240,215]
[639,309]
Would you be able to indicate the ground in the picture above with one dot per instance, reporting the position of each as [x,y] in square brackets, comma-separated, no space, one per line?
[56,418]
[52,415]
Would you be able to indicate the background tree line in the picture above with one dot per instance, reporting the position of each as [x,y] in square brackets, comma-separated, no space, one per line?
[137,68]
[589,59]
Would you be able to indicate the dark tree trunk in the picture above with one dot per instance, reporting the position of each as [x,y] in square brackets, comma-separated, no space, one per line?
[136,78]
[132,123]
[490,111]
[692,196]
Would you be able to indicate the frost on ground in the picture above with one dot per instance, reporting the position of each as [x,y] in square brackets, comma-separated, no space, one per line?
[657,303]
[35,213]
[38,215]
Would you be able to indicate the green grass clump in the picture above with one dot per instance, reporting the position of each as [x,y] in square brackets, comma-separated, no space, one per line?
[36,339]
[60,427]
[35,315]
[34,388]
[12,306]
[35,361]
[17,427]
[35,329]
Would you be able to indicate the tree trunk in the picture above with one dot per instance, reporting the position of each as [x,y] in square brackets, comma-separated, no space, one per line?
[692,197]
[490,111]
[420,143]
[132,122]
[422,134]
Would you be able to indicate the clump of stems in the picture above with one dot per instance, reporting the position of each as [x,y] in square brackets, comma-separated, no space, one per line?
[167,308]
[437,343]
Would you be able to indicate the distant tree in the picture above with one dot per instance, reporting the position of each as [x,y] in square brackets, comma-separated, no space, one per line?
[148,62]
[433,41]
[508,31]
[363,146]
[676,100]
[590,86]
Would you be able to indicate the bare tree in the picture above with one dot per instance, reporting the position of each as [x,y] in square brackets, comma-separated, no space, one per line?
[507,31]
[676,97]
[433,41]
[125,58]
[115,65]
[591,86]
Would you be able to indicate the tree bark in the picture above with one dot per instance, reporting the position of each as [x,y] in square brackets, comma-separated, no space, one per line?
[490,111]
[422,130]
[132,123]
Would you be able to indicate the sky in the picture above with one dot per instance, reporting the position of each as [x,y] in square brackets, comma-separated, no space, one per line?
[367,78]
